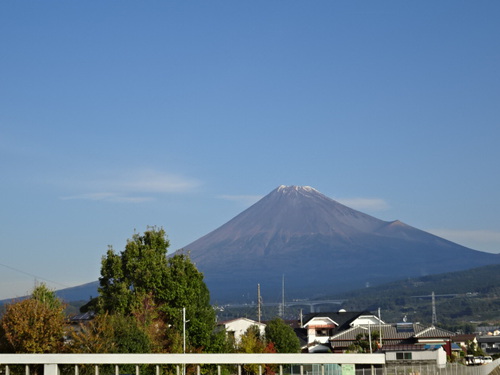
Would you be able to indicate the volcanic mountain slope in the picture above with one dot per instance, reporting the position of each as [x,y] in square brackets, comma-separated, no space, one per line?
[321,246]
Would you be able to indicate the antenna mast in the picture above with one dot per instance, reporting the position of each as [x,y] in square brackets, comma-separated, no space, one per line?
[281,312]
[434,315]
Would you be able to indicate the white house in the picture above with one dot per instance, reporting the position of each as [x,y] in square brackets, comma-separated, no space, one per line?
[321,326]
[319,329]
[490,344]
[235,328]
[365,320]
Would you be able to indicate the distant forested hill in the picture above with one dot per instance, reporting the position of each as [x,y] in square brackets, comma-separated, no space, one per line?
[464,296]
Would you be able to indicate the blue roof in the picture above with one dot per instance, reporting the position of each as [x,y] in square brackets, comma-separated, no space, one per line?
[432,347]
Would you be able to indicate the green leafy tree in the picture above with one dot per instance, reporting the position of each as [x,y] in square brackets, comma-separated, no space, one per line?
[95,336]
[34,325]
[152,322]
[48,297]
[142,273]
[186,289]
[140,270]
[362,342]
[474,349]
[360,345]
[222,342]
[283,336]
[253,342]
[129,336]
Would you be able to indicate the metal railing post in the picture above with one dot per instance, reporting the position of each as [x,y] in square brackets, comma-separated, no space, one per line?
[49,369]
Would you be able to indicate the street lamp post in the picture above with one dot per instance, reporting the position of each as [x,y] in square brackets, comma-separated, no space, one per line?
[184,321]
[184,330]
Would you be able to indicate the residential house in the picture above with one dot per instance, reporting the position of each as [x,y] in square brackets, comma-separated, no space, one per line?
[489,344]
[235,328]
[318,328]
[390,335]
[463,340]
[82,318]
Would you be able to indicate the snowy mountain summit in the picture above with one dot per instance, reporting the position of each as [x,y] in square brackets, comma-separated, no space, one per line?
[321,246]
[293,188]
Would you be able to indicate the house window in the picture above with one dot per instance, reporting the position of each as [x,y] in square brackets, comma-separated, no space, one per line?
[403,356]
[322,332]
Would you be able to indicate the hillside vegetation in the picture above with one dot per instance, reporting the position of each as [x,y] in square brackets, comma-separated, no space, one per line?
[471,296]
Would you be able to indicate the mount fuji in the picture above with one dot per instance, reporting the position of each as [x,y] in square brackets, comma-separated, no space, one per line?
[320,247]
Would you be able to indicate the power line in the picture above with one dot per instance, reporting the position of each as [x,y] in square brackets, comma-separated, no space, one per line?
[33,275]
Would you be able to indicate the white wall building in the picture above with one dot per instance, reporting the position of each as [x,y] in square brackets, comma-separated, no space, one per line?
[365,320]
[321,326]
[235,328]
[437,357]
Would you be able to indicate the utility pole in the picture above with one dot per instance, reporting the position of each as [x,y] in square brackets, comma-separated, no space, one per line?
[371,349]
[184,338]
[184,330]
[370,336]
[380,327]
[259,302]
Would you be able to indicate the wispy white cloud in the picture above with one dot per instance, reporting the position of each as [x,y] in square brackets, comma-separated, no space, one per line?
[148,181]
[134,186]
[370,204]
[110,197]
[243,199]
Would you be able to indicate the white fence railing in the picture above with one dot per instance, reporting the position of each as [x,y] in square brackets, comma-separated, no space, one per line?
[52,363]
[219,364]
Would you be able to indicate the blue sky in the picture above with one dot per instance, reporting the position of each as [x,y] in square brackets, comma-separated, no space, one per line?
[116,115]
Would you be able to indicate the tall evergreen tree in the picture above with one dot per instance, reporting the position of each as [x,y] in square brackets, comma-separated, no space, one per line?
[138,271]
[142,272]
[283,336]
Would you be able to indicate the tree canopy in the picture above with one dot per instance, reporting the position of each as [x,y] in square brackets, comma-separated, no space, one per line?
[111,334]
[140,270]
[142,273]
[283,336]
[253,342]
[33,325]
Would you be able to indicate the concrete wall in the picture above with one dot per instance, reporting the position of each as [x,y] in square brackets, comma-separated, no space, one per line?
[436,357]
